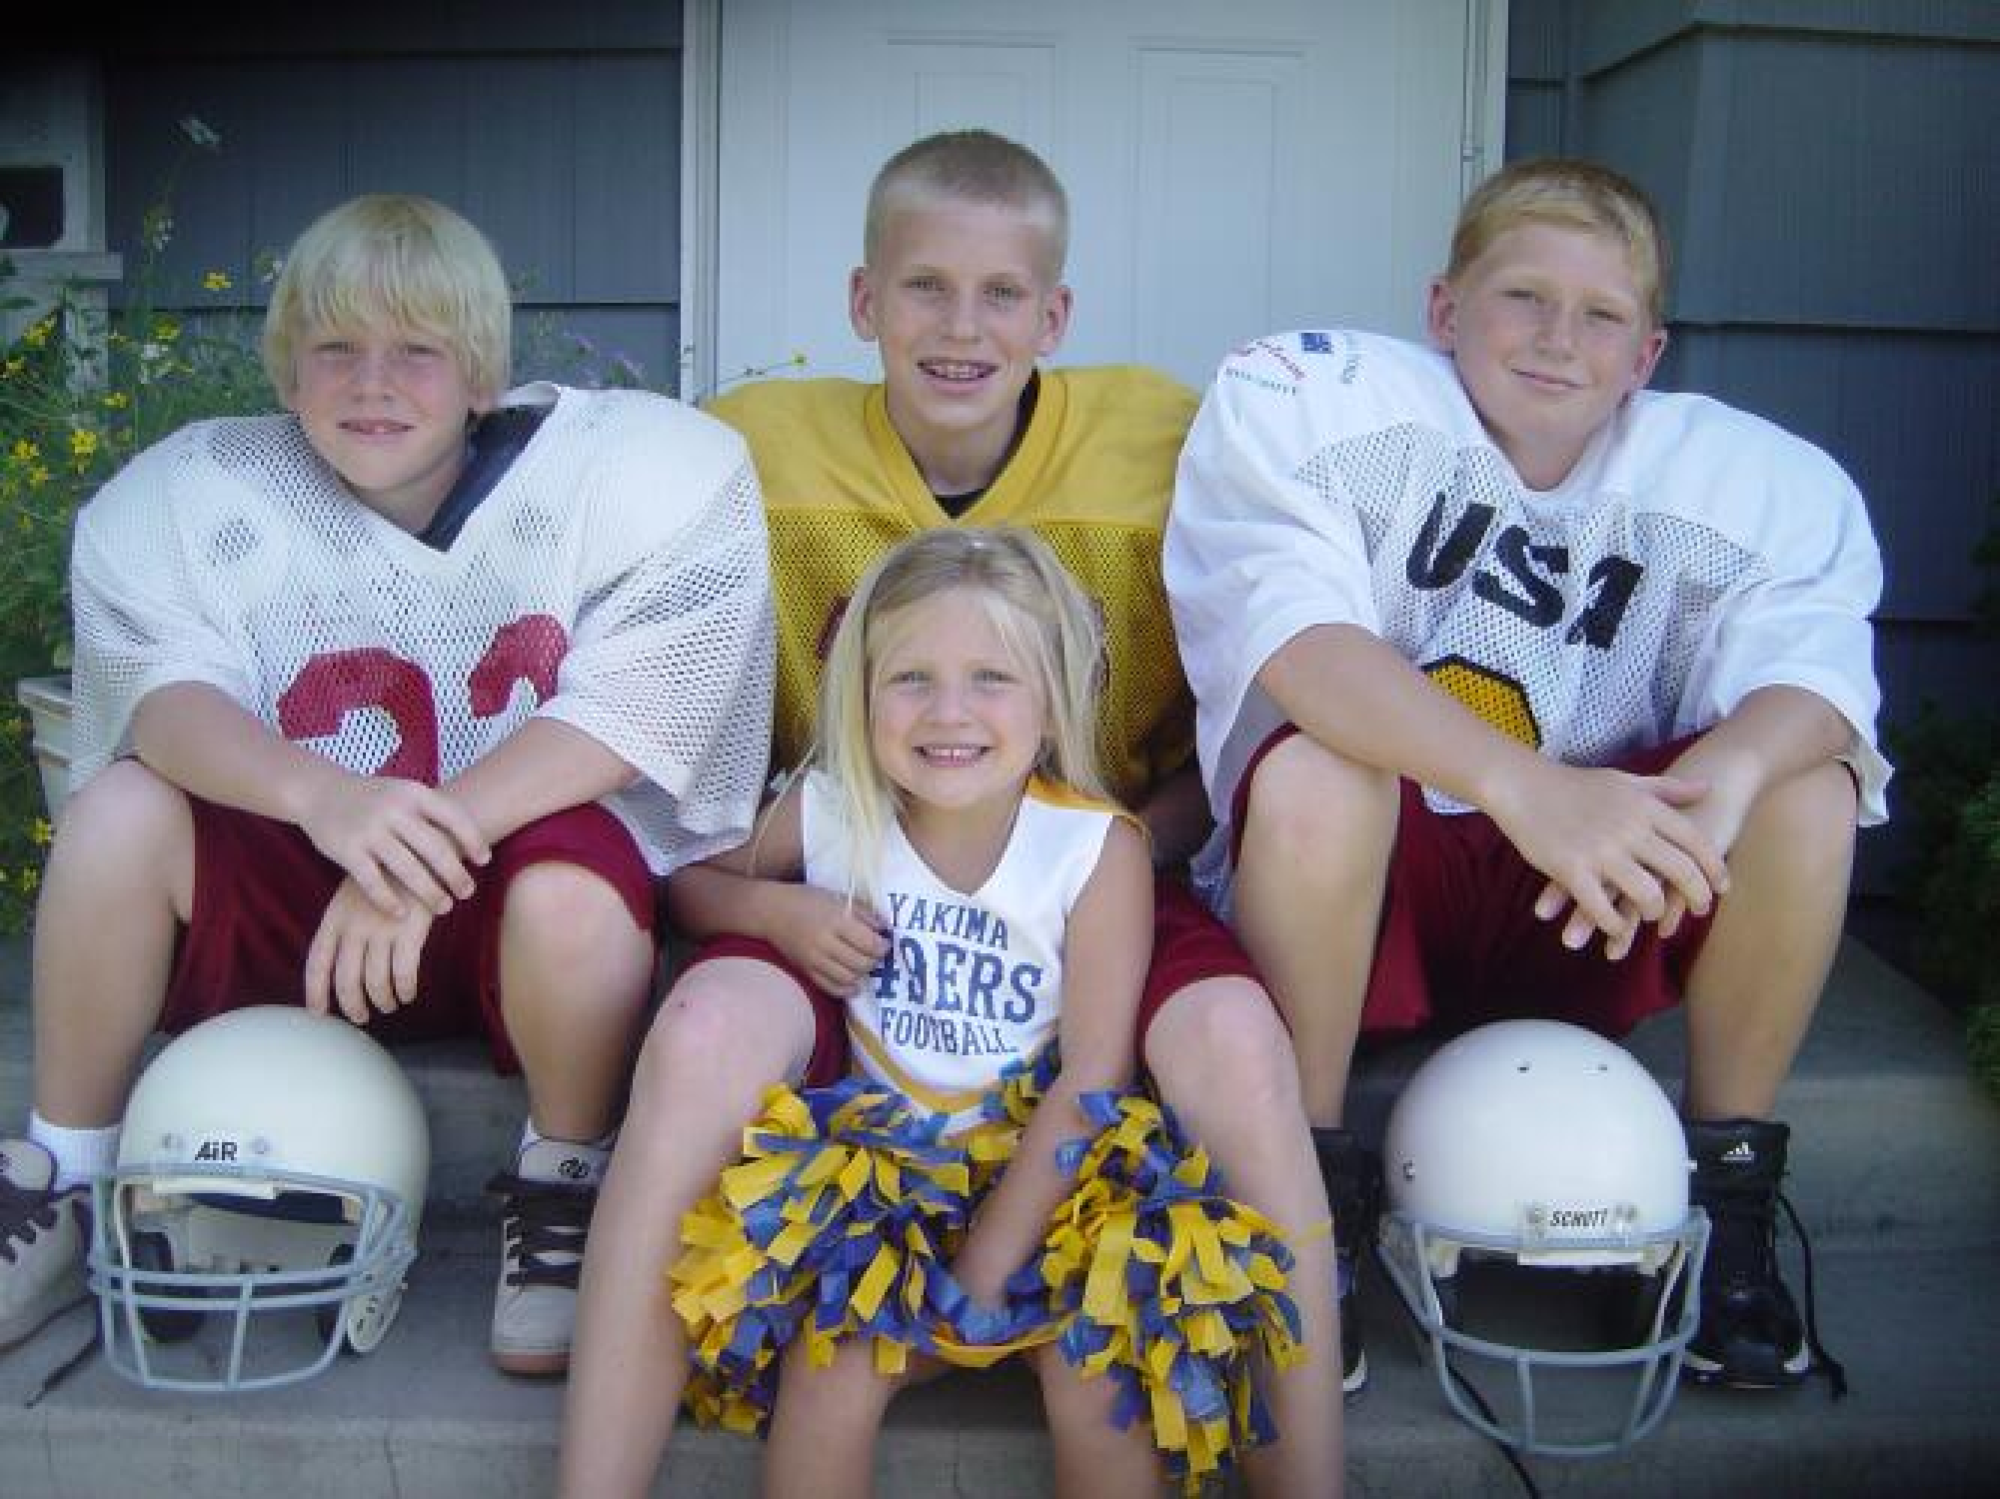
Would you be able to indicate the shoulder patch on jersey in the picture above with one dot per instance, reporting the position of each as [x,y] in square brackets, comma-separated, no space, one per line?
[1284,362]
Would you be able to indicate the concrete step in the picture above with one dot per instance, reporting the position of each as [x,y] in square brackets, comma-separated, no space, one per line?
[1896,1164]
[425,1416]
[1891,1136]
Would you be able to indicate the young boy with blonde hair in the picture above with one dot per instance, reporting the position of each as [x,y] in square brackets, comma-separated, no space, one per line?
[397,704]
[1526,691]
[961,291]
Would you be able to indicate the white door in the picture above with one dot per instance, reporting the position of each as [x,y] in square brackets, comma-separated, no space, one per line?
[1233,168]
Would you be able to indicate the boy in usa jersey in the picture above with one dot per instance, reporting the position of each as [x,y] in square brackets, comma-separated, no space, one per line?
[396,704]
[1526,691]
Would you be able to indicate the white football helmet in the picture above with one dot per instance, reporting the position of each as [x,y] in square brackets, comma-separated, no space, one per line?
[1535,1146]
[271,1160]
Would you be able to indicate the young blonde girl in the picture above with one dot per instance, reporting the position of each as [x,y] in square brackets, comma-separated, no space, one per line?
[953,868]
[978,897]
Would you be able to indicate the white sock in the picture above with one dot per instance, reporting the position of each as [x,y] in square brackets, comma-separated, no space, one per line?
[585,1160]
[81,1154]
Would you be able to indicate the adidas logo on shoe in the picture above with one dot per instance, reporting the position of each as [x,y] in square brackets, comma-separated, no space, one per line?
[1740,1154]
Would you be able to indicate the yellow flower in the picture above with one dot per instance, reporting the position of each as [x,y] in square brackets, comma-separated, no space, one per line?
[39,832]
[30,880]
[215,281]
[117,400]
[38,334]
[25,451]
[166,330]
[13,367]
[82,444]
[37,477]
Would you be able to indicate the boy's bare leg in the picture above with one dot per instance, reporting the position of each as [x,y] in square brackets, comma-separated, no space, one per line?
[1094,1457]
[1224,1064]
[119,885]
[1314,861]
[575,972]
[1753,990]
[727,1031]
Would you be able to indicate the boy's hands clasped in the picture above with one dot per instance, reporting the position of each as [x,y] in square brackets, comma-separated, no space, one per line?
[1619,850]
[397,839]
[362,959]
[409,851]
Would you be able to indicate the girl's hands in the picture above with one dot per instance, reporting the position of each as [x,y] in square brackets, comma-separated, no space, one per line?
[832,942]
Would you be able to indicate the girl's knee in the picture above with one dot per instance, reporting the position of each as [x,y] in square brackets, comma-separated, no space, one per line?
[725,1028]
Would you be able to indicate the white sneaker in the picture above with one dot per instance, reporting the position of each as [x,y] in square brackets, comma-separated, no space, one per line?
[43,1236]
[543,1224]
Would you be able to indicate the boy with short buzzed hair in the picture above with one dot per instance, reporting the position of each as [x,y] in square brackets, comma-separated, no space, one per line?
[397,703]
[961,290]
[1525,691]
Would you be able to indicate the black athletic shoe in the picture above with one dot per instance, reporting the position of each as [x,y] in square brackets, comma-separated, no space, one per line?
[1751,1334]
[1354,1189]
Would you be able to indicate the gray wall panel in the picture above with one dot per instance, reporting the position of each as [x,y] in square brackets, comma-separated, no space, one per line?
[1534,120]
[1855,192]
[568,159]
[627,241]
[1910,416]
[358,28]
[1536,42]
[406,129]
[520,167]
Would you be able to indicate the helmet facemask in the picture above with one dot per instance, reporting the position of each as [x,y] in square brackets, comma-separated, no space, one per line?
[1540,1237]
[216,1215]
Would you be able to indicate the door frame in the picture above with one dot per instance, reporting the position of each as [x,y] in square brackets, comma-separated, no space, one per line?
[1481,148]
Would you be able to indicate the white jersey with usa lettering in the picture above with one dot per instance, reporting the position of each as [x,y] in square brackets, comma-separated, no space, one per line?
[615,579]
[971,982]
[1694,554]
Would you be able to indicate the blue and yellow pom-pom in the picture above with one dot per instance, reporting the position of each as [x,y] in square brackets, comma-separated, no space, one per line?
[848,1206]
[831,1227]
[1168,1286]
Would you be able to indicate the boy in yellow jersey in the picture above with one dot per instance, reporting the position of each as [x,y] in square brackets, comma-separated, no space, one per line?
[962,291]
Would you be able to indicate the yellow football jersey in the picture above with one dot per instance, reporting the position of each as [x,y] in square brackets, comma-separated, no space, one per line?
[1093,475]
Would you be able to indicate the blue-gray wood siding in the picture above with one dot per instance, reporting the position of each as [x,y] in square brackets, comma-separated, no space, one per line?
[555,129]
[1826,171]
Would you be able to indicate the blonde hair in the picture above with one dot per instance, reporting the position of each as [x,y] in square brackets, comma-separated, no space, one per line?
[393,259]
[1568,195]
[971,166]
[1043,619]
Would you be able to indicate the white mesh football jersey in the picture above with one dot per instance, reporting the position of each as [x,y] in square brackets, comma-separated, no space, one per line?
[1695,554]
[971,982]
[616,578]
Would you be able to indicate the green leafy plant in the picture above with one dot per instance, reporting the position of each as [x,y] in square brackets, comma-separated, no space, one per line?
[1950,788]
[81,391]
